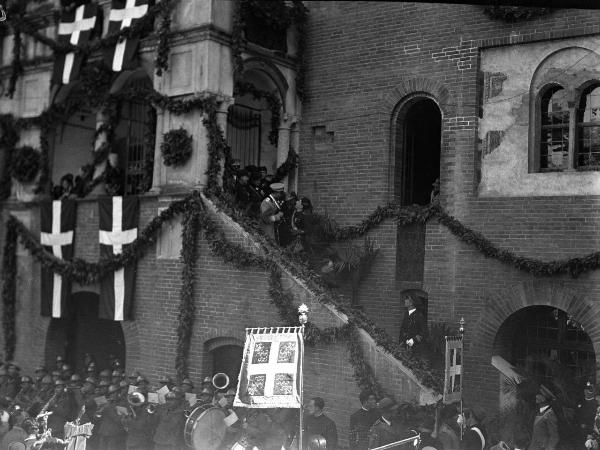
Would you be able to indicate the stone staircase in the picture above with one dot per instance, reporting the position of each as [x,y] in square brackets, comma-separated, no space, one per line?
[395,378]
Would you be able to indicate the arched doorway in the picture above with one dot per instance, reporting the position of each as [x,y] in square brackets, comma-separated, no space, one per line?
[548,344]
[417,150]
[83,332]
[227,359]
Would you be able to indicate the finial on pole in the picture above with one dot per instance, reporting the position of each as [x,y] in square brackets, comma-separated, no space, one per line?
[461,328]
[303,314]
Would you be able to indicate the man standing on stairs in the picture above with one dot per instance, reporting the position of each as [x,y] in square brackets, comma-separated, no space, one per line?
[413,328]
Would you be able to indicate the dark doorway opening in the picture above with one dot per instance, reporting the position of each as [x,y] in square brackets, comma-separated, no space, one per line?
[227,359]
[417,168]
[83,332]
[550,345]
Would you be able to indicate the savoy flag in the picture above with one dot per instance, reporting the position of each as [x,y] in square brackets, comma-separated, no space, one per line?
[118,229]
[123,14]
[76,27]
[57,236]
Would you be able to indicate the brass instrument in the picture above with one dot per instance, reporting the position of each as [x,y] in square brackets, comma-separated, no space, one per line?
[220,381]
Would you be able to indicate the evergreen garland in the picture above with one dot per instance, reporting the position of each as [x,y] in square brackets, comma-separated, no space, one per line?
[25,164]
[176,147]
[162,49]
[513,14]
[9,291]
[187,309]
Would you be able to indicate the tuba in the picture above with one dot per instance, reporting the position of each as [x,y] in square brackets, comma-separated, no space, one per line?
[220,381]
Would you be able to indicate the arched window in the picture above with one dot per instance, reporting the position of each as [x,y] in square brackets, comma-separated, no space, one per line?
[588,128]
[133,143]
[554,136]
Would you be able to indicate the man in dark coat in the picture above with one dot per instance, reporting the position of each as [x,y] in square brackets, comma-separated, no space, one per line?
[140,425]
[26,396]
[386,429]
[318,424]
[63,409]
[413,328]
[171,422]
[545,426]
[474,436]
[110,427]
[586,411]
[362,420]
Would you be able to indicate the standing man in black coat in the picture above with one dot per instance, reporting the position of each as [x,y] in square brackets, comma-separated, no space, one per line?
[362,420]
[317,426]
[413,328]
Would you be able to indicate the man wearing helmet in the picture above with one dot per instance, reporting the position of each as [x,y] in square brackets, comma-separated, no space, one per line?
[63,408]
[140,423]
[26,396]
[170,424]
[110,427]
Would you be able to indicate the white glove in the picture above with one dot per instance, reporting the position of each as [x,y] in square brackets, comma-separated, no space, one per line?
[410,342]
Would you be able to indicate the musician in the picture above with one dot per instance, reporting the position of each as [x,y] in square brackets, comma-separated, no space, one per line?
[362,420]
[316,423]
[586,410]
[387,429]
[234,430]
[26,396]
[133,378]
[413,328]
[143,386]
[59,363]
[140,423]
[88,408]
[116,377]
[105,375]
[40,373]
[91,370]
[257,195]
[43,394]
[12,383]
[170,425]
[271,209]
[16,433]
[110,426]
[166,381]
[187,386]
[63,407]
[474,436]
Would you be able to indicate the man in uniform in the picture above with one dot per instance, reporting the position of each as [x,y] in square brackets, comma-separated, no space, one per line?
[187,386]
[270,210]
[105,375]
[586,411]
[43,394]
[386,430]
[317,424]
[143,386]
[26,396]
[362,421]
[110,427]
[413,328]
[40,373]
[116,377]
[13,381]
[59,363]
[63,408]
[133,377]
[140,425]
[171,423]
[88,409]
[166,381]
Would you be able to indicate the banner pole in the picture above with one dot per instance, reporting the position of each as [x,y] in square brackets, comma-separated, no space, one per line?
[303,319]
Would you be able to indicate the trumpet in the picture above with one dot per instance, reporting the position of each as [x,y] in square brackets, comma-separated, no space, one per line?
[220,381]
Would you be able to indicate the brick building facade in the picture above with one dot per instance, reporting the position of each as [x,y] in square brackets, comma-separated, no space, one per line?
[451,72]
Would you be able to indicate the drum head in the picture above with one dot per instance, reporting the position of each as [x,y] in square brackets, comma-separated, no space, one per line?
[205,428]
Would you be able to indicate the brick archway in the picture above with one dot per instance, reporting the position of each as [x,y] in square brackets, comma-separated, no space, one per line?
[420,85]
[501,304]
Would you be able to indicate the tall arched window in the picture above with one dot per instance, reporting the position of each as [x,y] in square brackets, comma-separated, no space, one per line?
[554,136]
[588,128]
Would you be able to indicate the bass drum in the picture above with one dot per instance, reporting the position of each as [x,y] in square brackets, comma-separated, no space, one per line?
[205,428]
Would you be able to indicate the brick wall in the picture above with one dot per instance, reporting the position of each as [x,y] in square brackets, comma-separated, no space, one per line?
[364,58]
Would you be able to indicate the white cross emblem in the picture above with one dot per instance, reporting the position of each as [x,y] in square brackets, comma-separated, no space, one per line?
[117,238]
[74,29]
[56,240]
[125,16]
[455,368]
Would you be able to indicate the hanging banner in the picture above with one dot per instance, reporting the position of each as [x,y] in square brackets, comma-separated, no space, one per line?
[271,373]
[454,369]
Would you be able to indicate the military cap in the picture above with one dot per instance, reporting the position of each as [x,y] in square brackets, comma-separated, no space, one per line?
[262,169]
[277,187]
[124,384]
[91,381]
[170,396]
[26,379]
[56,373]
[142,379]
[104,383]
[59,358]
[135,375]
[113,388]
[40,369]
[75,377]
[188,382]
[66,367]
[116,373]
[105,373]
[230,392]
[207,380]
[165,380]
[59,382]
[47,379]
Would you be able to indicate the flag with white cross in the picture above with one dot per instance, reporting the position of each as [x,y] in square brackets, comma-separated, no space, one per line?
[76,27]
[271,372]
[453,369]
[118,229]
[124,14]
[57,236]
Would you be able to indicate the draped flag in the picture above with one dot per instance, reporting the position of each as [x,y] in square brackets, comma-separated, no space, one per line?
[454,369]
[118,229]
[271,372]
[57,234]
[76,27]
[123,14]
